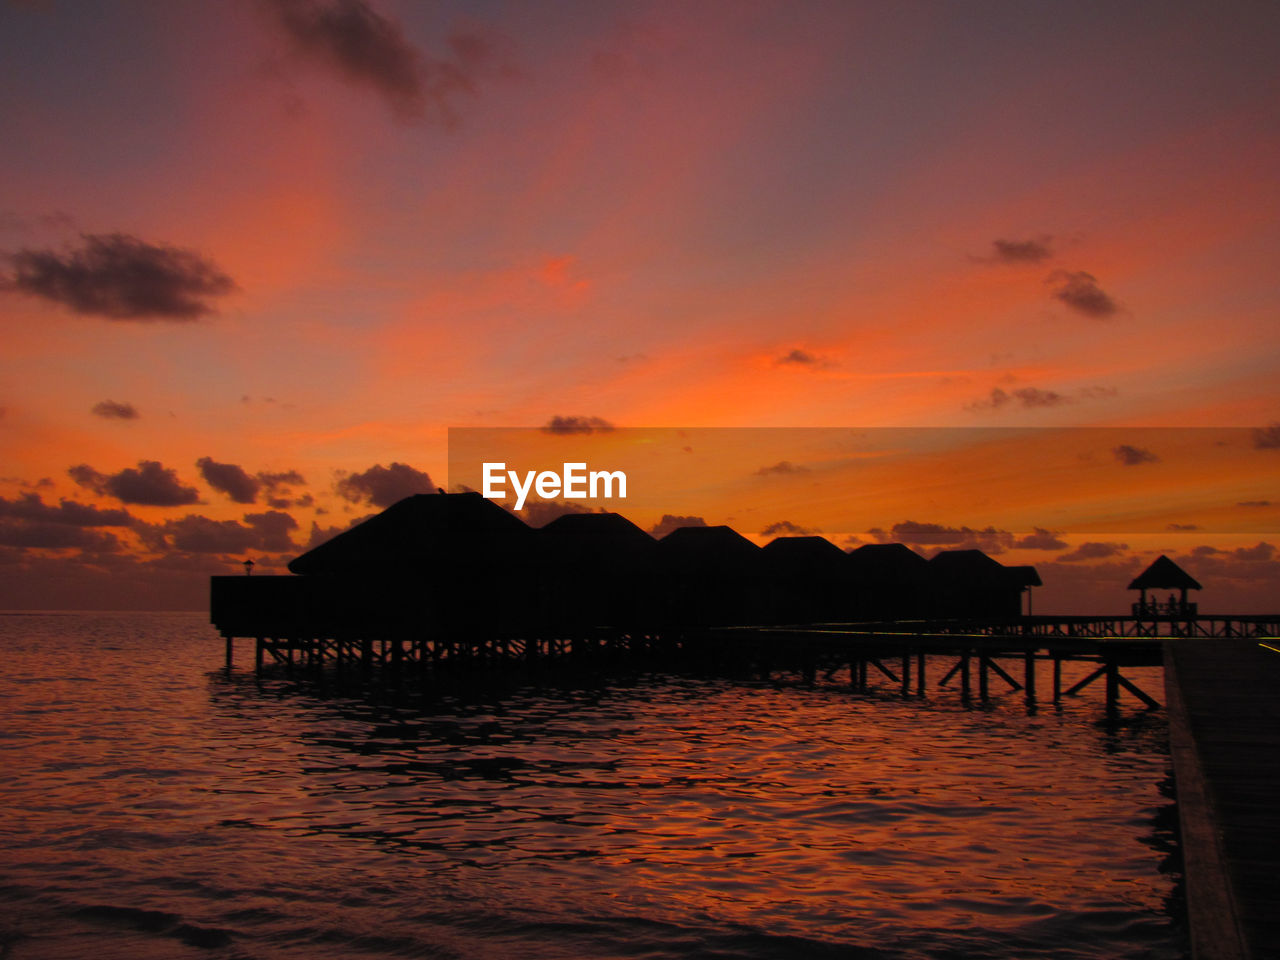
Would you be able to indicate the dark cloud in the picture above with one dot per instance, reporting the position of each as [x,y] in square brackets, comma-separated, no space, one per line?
[229,479]
[55,536]
[1022,251]
[31,507]
[1030,398]
[1040,539]
[785,528]
[1093,550]
[1268,437]
[272,529]
[1254,503]
[781,468]
[1176,527]
[1132,456]
[671,522]
[149,485]
[383,486]
[122,278]
[571,425]
[286,478]
[989,539]
[538,513]
[1080,292]
[368,49]
[801,358]
[111,410]
[196,533]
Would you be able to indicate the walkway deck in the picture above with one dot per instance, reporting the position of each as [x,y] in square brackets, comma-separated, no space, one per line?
[1224,717]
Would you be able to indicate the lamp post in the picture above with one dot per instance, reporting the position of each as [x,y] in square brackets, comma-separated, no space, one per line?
[248,568]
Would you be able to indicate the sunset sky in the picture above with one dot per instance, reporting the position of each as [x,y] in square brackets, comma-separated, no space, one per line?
[257,257]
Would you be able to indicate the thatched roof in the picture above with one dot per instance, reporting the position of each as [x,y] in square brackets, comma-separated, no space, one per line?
[888,563]
[1164,574]
[586,530]
[1025,576]
[419,534]
[709,549]
[803,554]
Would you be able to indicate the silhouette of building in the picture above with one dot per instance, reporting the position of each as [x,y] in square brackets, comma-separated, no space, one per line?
[889,581]
[969,583]
[809,580]
[595,569]
[1164,574]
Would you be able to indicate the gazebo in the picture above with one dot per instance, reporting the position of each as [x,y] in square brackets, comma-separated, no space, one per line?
[1164,574]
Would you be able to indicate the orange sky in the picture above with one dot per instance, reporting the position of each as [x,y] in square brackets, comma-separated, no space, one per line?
[744,214]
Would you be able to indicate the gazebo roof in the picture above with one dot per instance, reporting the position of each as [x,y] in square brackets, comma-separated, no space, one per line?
[1164,574]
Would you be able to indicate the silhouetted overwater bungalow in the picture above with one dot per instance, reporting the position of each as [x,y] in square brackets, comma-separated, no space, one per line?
[595,570]
[1164,574]
[890,580]
[968,583]
[710,575]
[809,580]
[439,560]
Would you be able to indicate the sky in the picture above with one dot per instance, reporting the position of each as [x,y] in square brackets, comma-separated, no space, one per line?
[258,257]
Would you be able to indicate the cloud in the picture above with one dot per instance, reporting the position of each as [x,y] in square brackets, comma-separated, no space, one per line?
[121,278]
[366,49]
[230,479]
[781,468]
[1254,503]
[31,507]
[1080,292]
[383,486]
[272,529]
[111,410]
[1030,398]
[1093,550]
[786,528]
[802,358]
[55,536]
[538,513]
[1133,456]
[1177,527]
[1267,438]
[151,484]
[671,522]
[1021,251]
[989,539]
[1040,539]
[196,533]
[571,425]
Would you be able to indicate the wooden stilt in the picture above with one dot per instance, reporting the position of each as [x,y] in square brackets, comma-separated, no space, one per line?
[906,674]
[920,675]
[230,651]
[964,676]
[1029,676]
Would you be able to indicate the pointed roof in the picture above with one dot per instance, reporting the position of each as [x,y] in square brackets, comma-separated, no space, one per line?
[888,563]
[805,557]
[591,529]
[708,548]
[1164,574]
[422,533]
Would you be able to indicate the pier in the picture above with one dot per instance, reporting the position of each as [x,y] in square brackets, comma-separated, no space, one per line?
[1224,735]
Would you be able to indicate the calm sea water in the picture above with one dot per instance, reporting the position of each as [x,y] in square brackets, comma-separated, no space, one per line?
[156,807]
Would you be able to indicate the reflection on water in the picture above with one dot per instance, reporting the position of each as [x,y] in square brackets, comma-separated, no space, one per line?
[161,808]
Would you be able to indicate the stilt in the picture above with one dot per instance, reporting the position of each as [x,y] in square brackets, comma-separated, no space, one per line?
[1057,678]
[983,686]
[230,651]
[257,654]
[906,674]
[1113,688]
[964,676]
[920,675]
[1029,676]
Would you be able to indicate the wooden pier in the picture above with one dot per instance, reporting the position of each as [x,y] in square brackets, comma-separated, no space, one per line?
[1224,734]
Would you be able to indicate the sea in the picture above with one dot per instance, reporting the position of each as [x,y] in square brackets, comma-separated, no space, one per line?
[154,804]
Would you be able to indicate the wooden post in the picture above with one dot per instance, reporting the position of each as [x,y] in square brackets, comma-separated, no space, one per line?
[257,655]
[1029,680]
[983,688]
[1057,678]
[1113,688]
[964,676]
[230,651]
[920,674]
[906,674]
